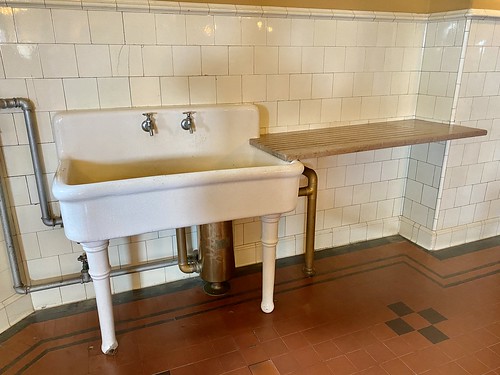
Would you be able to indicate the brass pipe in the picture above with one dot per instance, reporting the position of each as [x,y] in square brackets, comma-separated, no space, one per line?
[183,260]
[311,192]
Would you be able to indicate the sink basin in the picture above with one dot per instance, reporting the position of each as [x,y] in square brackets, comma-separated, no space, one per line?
[114,180]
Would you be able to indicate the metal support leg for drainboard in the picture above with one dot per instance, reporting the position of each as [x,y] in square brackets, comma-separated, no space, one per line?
[310,191]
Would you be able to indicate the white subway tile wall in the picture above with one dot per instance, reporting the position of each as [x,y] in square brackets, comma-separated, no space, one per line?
[303,73]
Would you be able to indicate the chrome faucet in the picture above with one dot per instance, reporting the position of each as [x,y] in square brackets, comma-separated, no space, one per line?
[188,122]
[148,125]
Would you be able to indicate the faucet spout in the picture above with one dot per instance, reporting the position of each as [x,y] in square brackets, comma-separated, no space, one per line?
[148,125]
[188,122]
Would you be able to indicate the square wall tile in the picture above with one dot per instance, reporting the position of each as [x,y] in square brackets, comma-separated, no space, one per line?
[202,90]
[7,28]
[186,60]
[254,88]
[214,60]
[229,89]
[241,60]
[71,26]
[21,61]
[106,27]
[290,60]
[157,60]
[278,31]
[126,60]
[227,30]
[302,32]
[200,30]
[93,60]
[174,90]
[145,91]
[58,60]
[33,25]
[113,92]
[253,31]
[139,28]
[47,94]
[171,29]
[324,32]
[266,60]
[81,93]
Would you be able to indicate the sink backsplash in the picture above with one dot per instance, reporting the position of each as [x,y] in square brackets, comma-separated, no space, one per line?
[303,71]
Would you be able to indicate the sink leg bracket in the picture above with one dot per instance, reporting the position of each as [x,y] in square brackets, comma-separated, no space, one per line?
[311,192]
[99,270]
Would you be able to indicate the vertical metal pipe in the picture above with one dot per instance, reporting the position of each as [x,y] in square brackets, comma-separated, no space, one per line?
[29,118]
[310,191]
[183,261]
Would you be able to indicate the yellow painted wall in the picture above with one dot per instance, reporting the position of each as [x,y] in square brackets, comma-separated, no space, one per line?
[411,6]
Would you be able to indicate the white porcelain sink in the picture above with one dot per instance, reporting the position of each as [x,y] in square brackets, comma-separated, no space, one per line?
[116,180]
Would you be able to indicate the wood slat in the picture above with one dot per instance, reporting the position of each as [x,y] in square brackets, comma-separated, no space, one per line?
[363,137]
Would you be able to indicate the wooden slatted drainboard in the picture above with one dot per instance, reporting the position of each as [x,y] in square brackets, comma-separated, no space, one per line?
[353,138]
[315,143]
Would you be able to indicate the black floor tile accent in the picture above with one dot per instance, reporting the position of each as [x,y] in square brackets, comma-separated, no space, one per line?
[400,326]
[432,316]
[400,308]
[433,334]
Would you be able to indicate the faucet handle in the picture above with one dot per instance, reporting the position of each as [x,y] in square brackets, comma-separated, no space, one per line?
[188,122]
[148,124]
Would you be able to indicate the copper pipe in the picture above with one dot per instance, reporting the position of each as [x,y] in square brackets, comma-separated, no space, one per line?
[184,264]
[311,192]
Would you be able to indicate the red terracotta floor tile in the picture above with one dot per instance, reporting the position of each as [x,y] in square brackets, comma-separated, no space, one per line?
[332,323]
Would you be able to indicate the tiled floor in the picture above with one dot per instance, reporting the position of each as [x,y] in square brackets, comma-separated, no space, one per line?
[381,307]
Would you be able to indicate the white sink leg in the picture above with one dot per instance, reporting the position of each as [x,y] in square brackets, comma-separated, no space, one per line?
[269,241]
[99,270]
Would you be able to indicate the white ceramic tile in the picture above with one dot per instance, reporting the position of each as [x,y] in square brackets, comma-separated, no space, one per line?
[362,85]
[139,28]
[290,60]
[312,59]
[472,59]
[214,60]
[81,93]
[106,27]
[351,109]
[33,25]
[343,84]
[322,86]
[488,60]
[346,33]
[302,32]
[241,60]
[7,29]
[160,248]
[47,94]
[200,30]
[21,61]
[491,84]
[113,92]
[187,60]
[350,215]
[174,90]
[367,33]
[145,91]
[53,242]
[58,60]
[446,33]
[93,60]
[202,90]
[266,60]
[253,31]
[300,86]
[171,29]
[71,26]
[288,113]
[157,60]
[475,84]
[254,88]
[394,59]
[229,89]
[370,108]
[126,60]
[278,31]
[46,298]
[331,110]
[374,59]
[355,59]
[278,87]
[334,59]
[324,32]
[406,33]
[386,34]
[227,30]
[310,111]
[335,177]
[483,35]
